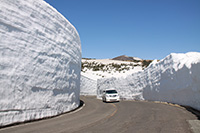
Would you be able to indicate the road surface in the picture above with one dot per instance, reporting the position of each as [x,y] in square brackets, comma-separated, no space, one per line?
[121,117]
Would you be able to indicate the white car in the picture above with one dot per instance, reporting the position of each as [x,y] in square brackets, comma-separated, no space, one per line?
[110,95]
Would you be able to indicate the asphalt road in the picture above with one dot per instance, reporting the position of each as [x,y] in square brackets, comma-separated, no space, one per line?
[120,117]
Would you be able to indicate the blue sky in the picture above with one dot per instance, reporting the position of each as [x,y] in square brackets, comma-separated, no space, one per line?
[148,29]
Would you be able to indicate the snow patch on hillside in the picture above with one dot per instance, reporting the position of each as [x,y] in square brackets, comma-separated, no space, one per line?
[40,62]
[107,68]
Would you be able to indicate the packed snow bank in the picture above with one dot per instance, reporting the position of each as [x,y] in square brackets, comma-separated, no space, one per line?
[88,86]
[174,79]
[40,62]
[128,88]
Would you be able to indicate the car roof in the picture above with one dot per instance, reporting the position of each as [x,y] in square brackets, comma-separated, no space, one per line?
[110,89]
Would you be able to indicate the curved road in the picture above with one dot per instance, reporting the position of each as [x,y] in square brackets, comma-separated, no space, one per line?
[121,117]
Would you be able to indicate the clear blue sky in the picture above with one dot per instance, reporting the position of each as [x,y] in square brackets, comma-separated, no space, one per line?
[148,29]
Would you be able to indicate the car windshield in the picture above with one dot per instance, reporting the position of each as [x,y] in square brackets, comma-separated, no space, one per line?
[111,91]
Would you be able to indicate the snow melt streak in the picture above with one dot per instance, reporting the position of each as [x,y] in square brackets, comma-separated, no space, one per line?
[40,56]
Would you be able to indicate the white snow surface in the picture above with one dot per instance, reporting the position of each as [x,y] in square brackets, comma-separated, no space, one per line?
[88,86]
[174,79]
[40,62]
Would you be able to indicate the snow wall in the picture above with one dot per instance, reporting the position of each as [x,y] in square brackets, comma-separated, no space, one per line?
[40,62]
[175,79]
[88,86]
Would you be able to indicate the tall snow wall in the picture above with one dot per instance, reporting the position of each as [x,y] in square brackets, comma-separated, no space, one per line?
[129,88]
[174,79]
[88,86]
[40,62]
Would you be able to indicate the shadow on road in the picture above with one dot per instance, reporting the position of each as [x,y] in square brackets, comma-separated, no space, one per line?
[193,111]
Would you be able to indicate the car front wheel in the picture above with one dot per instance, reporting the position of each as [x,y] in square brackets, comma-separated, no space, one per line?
[104,99]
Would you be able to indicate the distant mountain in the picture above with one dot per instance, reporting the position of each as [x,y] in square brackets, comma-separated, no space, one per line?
[127,58]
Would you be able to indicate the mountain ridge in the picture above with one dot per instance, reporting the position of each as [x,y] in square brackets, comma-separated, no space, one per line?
[126,58]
